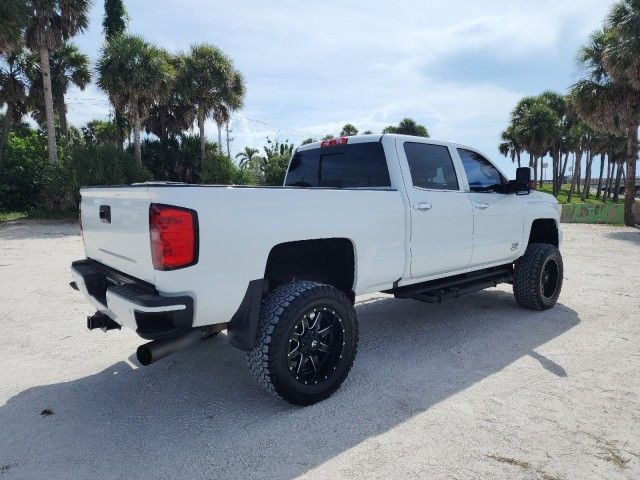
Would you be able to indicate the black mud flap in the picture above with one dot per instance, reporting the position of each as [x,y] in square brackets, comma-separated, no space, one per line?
[244,324]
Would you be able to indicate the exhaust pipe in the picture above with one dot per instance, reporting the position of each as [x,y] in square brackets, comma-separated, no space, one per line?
[158,349]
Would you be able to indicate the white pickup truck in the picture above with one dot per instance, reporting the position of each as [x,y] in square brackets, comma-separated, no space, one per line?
[279,268]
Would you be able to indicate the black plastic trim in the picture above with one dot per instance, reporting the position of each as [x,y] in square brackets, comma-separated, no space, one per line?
[243,326]
[99,279]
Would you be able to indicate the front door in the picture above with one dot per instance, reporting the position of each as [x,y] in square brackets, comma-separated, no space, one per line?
[498,217]
[441,214]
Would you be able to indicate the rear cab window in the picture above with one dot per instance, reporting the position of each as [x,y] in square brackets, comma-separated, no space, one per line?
[431,166]
[356,165]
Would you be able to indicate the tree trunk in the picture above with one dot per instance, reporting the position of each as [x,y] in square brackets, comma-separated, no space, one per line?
[518,157]
[607,181]
[137,127]
[575,177]
[8,119]
[601,175]
[616,187]
[612,175]
[48,104]
[555,173]
[219,138]
[228,143]
[203,141]
[541,171]
[534,163]
[119,121]
[587,176]
[62,113]
[564,171]
[630,183]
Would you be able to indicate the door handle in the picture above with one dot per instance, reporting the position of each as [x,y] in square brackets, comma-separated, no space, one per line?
[422,206]
[482,205]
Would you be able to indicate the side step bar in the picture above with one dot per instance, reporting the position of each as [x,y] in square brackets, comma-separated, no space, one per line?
[435,291]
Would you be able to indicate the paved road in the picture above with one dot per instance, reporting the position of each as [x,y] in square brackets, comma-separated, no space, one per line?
[476,388]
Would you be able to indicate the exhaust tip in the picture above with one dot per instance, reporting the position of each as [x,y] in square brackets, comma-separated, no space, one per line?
[144,355]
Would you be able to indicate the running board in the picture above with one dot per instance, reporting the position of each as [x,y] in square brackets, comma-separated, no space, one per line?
[435,291]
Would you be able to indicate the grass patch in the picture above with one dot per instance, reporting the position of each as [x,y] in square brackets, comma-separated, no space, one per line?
[36,215]
[564,193]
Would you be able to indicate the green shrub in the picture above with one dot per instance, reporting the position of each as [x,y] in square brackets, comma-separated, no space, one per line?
[274,169]
[22,172]
[175,159]
[88,165]
[221,170]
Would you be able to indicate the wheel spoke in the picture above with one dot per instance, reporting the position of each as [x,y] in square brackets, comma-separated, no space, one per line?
[305,324]
[294,351]
[323,347]
[301,363]
[314,362]
[295,337]
[325,331]
[316,323]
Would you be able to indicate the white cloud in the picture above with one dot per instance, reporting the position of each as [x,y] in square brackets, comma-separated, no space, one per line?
[312,66]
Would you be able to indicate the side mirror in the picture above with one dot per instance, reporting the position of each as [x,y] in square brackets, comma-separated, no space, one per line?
[522,181]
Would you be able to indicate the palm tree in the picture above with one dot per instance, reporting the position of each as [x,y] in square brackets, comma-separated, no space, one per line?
[115,18]
[510,145]
[114,23]
[69,66]
[609,97]
[348,130]
[579,138]
[539,128]
[134,74]
[408,126]
[50,24]
[172,113]
[14,85]
[12,23]
[213,86]
[558,104]
[247,156]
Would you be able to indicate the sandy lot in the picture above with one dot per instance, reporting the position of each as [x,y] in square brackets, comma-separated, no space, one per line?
[476,388]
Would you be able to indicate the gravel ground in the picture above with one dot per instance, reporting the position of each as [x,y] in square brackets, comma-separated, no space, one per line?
[475,388]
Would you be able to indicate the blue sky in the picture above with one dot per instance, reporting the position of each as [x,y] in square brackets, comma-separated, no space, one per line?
[457,67]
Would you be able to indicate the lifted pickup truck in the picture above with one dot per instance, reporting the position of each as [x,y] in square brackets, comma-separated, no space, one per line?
[279,268]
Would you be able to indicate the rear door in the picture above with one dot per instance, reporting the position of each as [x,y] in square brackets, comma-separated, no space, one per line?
[441,215]
[498,216]
[115,226]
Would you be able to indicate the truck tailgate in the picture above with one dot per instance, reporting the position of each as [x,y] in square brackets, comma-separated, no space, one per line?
[115,225]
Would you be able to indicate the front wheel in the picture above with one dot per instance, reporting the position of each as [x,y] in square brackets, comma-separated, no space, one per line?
[306,342]
[537,277]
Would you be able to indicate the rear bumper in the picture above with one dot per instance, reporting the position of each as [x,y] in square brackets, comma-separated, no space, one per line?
[131,302]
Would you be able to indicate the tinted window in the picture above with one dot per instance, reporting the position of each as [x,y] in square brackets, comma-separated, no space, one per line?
[431,166]
[482,175]
[340,166]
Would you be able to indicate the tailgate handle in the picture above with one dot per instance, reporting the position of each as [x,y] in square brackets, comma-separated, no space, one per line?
[105,213]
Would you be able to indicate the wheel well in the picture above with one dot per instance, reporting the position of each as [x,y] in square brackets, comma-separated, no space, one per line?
[544,231]
[327,260]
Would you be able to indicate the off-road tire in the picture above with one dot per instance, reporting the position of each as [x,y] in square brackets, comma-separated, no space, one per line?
[529,286]
[279,313]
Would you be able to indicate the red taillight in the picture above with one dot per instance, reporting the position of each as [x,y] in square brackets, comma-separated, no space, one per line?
[334,141]
[173,233]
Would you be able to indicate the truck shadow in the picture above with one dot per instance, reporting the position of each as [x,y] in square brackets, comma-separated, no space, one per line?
[198,414]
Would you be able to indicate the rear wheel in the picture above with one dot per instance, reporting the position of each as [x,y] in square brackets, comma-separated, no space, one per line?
[306,343]
[537,277]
